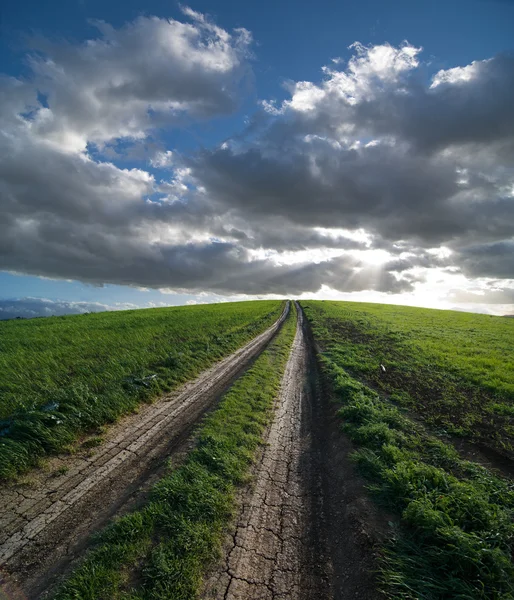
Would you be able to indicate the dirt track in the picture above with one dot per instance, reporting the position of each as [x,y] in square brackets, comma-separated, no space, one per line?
[45,525]
[268,554]
[305,529]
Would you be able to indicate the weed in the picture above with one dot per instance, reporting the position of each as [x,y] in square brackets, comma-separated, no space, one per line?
[61,471]
[93,442]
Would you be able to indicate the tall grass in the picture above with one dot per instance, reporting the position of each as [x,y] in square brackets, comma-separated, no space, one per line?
[61,376]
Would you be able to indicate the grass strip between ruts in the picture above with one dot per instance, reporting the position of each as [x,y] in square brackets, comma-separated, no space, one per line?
[455,535]
[163,550]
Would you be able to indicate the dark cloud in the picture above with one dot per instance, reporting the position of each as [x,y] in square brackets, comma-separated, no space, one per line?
[344,274]
[373,157]
[488,260]
[470,105]
[281,235]
[217,267]
[381,189]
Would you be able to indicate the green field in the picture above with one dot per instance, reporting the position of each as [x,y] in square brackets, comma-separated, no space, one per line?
[452,530]
[417,391]
[454,369]
[61,376]
[168,545]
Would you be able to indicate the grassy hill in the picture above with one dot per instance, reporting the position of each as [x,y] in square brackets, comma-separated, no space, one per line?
[60,376]
[425,396]
[455,369]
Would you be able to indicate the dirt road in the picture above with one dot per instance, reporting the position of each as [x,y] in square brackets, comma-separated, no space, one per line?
[270,555]
[46,523]
[305,529]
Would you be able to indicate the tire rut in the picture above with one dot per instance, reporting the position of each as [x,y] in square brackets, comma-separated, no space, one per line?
[305,527]
[45,527]
[272,553]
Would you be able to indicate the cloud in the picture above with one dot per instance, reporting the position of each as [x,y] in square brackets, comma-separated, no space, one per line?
[489,260]
[365,180]
[375,147]
[149,72]
[500,295]
[377,188]
[219,267]
[468,105]
[28,308]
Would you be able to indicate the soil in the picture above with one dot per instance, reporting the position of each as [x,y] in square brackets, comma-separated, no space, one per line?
[47,519]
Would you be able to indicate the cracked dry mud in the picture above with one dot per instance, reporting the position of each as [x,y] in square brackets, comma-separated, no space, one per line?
[44,526]
[271,553]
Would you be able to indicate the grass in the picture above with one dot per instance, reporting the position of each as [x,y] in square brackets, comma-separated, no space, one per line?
[455,370]
[60,471]
[454,535]
[163,550]
[61,376]
[93,442]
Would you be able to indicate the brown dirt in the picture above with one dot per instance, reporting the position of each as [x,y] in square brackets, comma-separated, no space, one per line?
[46,521]
[305,528]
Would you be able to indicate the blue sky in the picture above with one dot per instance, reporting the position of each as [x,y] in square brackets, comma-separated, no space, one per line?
[216,182]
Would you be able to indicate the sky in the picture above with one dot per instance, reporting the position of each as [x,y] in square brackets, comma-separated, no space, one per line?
[159,153]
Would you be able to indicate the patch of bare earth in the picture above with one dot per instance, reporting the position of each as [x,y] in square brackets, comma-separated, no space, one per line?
[305,529]
[46,521]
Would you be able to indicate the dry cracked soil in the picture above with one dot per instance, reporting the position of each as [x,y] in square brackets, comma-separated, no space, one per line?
[304,529]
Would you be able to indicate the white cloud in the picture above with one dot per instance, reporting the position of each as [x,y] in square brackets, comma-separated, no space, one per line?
[456,75]
[162,159]
[28,308]
[146,73]
[372,180]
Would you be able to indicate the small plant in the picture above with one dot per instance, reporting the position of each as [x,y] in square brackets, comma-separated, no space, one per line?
[28,481]
[61,471]
[93,442]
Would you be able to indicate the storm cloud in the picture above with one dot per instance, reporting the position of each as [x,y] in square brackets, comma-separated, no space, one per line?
[366,180]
